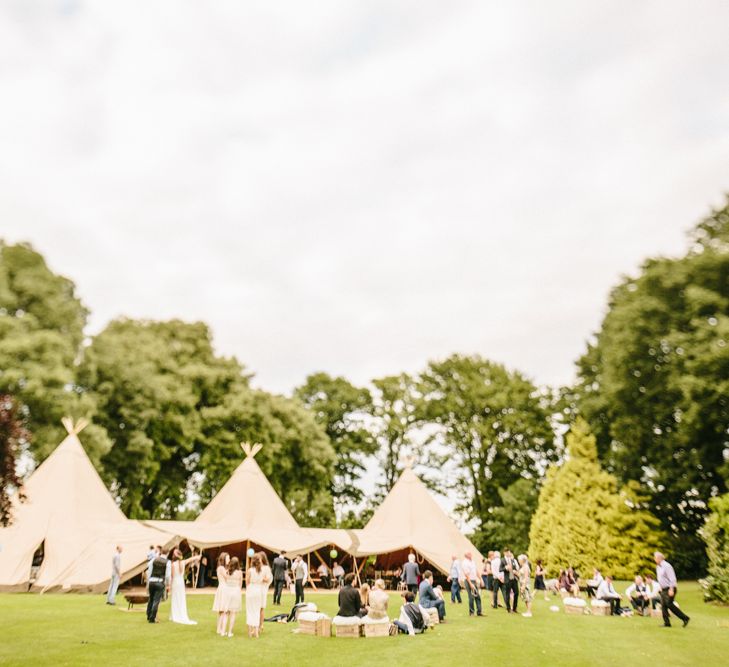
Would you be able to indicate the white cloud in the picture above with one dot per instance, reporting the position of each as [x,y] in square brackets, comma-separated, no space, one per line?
[358,187]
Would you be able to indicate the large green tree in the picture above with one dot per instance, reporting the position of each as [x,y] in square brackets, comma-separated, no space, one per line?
[395,412]
[493,424]
[41,332]
[12,437]
[654,384]
[585,520]
[297,456]
[508,523]
[341,408]
[150,381]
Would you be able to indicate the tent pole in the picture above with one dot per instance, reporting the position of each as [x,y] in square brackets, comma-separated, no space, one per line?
[248,558]
[308,564]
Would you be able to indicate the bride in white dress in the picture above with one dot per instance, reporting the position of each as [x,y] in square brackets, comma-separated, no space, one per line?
[178,599]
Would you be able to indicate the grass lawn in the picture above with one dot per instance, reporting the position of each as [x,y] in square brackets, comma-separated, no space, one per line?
[82,630]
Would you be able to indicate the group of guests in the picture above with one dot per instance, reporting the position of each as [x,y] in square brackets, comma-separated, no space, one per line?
[511,576]
[506,574]
[369,604]
[644,593]
[228,596]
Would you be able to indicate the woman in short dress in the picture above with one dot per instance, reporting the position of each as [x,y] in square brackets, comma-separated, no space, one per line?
[231,598]
[539,584]
[524,584]
[222,572]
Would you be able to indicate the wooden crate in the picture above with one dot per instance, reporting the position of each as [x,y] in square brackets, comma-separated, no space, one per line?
[376,629]
[600,610]
[657,612]
[320,628]
[351,631]
[574,609]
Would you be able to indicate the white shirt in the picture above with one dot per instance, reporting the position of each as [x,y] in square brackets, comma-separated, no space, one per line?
[455,574]
[468,569]
[606,590]
[300,564]
[654,590]
[338,571]
[496,569]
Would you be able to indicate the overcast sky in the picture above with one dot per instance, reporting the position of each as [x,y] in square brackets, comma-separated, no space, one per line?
[358,187]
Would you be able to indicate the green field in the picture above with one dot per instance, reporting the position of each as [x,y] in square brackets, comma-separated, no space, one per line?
[82,630]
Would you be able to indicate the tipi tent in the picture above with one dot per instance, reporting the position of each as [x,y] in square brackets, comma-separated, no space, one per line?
[248,510]
[409,518]
[70,514]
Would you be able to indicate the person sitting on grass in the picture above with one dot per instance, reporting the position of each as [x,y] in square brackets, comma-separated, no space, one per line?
[411,621]
[350,603]
[429,598]
[607,593]
[637,593]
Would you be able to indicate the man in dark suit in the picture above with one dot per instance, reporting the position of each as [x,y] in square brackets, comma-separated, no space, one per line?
[411,574]
[428,598]
[279,567]
[350,603]
[510,569]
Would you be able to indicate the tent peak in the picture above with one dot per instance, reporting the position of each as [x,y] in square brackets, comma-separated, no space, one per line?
[251,450]
[408,462]
[74,429]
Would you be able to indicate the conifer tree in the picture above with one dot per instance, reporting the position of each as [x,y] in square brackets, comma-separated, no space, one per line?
[716,535]
[584,520]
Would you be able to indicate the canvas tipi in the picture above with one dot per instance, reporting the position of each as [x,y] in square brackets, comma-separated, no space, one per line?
[410,519]
[69,513]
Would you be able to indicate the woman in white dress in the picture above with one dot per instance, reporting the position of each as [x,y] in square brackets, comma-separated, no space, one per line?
[178,598]
[222,572]
[231,596]
[258,579]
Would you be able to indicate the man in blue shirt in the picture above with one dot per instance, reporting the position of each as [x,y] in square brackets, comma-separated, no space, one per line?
[428,597]
[668,584]
[454,577]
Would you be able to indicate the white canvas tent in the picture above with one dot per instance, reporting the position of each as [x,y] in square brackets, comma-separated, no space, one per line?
[410,519]
[70,512]
[248,510]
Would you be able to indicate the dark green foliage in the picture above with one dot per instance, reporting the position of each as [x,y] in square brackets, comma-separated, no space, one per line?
[13,435]
[150,381]
[508,523]
[339,407]
[493,424]
[654,385]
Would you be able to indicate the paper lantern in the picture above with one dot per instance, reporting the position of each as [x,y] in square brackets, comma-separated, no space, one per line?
[251,552]
[333,553]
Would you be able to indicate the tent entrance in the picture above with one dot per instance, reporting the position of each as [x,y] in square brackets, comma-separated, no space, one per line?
[38,558]
[388,567]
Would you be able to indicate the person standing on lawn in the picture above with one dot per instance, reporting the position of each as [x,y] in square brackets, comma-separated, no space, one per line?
[524,575]
[279,567]
[411,574]
[471,584]
[301,575]
[510,573]
[159,572]
[669,588]
[115,575]
[454,577]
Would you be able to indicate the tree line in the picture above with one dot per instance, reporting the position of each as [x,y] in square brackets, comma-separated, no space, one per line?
[168,412]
